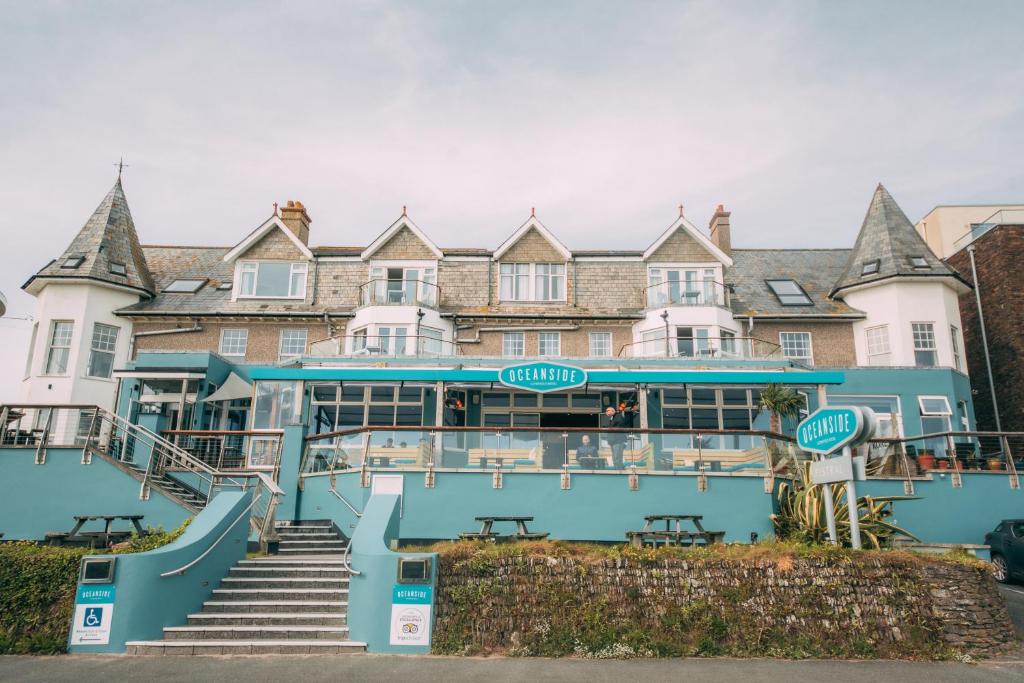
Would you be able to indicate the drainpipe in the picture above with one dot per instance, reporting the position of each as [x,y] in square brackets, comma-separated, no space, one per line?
[664,316]
[984,338]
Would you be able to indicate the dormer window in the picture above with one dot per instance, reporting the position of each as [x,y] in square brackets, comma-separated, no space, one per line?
[185,286]
[532,282]
[789,293]
[118,269]
[73,261]
[918,263]
[869,268]
[272,280]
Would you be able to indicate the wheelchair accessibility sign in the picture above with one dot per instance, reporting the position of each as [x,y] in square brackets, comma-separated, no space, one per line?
[94,611]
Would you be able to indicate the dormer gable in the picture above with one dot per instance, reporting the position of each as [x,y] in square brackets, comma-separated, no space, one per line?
[403,240]
[682,242]
[532,242]
[271,240]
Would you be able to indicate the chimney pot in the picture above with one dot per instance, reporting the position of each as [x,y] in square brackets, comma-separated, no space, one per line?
[296,218]
[721,233]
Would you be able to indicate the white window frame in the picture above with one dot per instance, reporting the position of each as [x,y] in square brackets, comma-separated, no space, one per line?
[874,351]
[550,335]
[245,342]
[93,350]
[516,275]
[809,358]
[946,415]
[281,354]
[516,338]
[426,280]
[702,289]
[934,343]
[253,267]
[51,346]
[954,339]
[601,338]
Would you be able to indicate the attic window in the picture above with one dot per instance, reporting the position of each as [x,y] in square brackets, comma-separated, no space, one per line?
[918,262]
[118,269]
[869,268]
[185,286]
[73,262]
[224,286]
[789,293]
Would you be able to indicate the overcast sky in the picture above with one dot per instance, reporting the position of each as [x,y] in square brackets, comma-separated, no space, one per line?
[605,116]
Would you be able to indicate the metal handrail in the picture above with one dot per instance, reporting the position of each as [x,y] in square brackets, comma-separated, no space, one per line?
[344,560]
[425,293]
[349,505]
[589,430]
[699,289]
[184,568]
[716,348]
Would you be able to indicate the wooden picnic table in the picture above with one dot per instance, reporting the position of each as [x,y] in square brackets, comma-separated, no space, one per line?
[104,537]
[487,525]
[673,534]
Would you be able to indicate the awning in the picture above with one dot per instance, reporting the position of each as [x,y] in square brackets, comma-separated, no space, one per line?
[234,388]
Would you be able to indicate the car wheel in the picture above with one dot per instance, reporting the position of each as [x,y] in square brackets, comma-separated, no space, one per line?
[1000,569]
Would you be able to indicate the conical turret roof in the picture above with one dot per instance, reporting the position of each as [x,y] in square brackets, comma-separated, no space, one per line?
[888,246]
[106,249]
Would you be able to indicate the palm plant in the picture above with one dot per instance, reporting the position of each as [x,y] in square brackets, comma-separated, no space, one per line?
[801,515]
[781,402]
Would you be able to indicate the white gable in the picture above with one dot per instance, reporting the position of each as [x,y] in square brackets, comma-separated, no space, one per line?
[402,222]
[261,232]
[532,224]
[696,234]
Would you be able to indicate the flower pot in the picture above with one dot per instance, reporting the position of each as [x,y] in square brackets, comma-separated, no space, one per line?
[943,464]
[926,461]
[995,464]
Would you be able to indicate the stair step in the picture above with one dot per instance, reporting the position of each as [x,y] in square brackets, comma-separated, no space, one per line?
[258,632]
[312,583]
[243,647]
[274,606]
[302,572]
[267,619]
[274,561]
[310,551]
[296,594]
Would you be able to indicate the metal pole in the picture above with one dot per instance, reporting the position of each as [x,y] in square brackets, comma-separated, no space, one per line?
[984,338]
[830,511]
[851,503]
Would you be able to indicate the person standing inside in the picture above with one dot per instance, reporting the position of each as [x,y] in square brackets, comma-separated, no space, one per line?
[615,419]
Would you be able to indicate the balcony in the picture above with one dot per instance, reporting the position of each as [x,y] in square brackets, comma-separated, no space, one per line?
[384,346]
[394,292]
[686,293]
[703,348]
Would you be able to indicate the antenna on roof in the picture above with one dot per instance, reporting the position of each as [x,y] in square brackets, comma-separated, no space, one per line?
[120,167]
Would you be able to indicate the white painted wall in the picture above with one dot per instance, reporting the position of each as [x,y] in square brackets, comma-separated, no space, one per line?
[85,305]
[899,303]
[371,317]
[712,317]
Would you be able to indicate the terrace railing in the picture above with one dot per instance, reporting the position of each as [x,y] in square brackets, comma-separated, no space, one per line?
[385,346]
[231,450]
[703,348]
[395,292]
[683,293]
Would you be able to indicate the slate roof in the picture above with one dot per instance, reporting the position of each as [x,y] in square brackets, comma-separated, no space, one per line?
[815,270]
[888,236]
[107,237]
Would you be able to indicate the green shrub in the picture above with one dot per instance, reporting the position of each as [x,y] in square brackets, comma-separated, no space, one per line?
[153,539]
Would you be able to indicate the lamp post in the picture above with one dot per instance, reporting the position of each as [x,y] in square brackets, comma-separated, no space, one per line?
[984,337]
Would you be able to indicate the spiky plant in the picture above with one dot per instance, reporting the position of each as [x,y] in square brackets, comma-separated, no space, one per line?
[780,402]
[801,515]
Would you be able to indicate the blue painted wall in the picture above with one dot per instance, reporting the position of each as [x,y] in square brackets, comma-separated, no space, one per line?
[145,602]
[35,499]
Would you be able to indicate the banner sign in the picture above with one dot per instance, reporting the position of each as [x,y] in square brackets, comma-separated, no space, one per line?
[542,377]
[410,614]
[94,611]
[827,430]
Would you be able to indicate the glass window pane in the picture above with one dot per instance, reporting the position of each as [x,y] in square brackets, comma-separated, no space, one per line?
[325,392]
[495,399]
[350,416]
[556,400]
[409,416]
[352,393]
[381,415]
[734,397]
[273,279]
[324,418]
[676,418]
[497,419]
[525,400]
[703,397]
[735,419]
[705,418]
[382,394]
[410,395]
[586,400]
[673,397]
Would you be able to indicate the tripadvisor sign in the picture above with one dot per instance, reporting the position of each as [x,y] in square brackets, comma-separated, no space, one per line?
[542,377]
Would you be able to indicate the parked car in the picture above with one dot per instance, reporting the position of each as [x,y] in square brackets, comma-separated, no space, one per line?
[1007,547]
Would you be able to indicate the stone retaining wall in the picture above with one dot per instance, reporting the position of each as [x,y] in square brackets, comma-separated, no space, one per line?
[889,605]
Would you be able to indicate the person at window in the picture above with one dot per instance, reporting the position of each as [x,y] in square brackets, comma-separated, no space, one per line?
[616,419]
[389,443]
[587,455]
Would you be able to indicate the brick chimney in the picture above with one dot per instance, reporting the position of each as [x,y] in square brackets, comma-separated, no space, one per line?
[293,215]
[721,235]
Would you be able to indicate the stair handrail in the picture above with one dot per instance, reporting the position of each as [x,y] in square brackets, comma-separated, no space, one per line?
[182,569]
[349,505]
[266,528]
[344,560]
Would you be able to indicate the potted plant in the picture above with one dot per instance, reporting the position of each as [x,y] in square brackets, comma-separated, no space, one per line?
[926,460]
[994,463]
[944,464]
[781,402]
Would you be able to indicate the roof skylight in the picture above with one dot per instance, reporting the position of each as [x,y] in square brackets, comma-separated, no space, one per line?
[869,268]
[185,286]
[789,293]
[73,261]
[118,269]
[918,262]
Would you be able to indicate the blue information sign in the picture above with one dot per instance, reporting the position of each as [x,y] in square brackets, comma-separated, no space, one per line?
[827,430]
[542,377]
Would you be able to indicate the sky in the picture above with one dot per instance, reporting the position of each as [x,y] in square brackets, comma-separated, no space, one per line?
[605,116]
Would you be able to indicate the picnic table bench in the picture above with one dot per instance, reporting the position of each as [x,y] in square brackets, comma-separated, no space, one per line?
[486,532]
[673,533]
[102,538]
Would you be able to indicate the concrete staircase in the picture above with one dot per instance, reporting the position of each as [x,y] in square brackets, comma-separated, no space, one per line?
[294,602]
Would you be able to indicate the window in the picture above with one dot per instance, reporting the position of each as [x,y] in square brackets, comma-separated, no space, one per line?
[430,341]
[600,344]
[869,268]
[548,282]
[683,286]
[233,342]
[60,347]
[118,269]
[391,340]
[272,280]
[101,355]
[924,344]
[918,262]
[878,345]
[513,344]
[935,414]
[550,344]
[360,405]
[796,345]
[277,404]
[728,343]
[401,285]
[359,340]
[185,286]
[954,338]
[693,341]
[73,261]
[789,293]
[293,343]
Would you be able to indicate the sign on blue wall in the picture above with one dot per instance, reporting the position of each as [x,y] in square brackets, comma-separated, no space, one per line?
[828,429]
[542,377]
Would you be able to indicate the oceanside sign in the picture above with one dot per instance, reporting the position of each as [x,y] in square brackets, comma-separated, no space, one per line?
[542,377]
[827,430]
